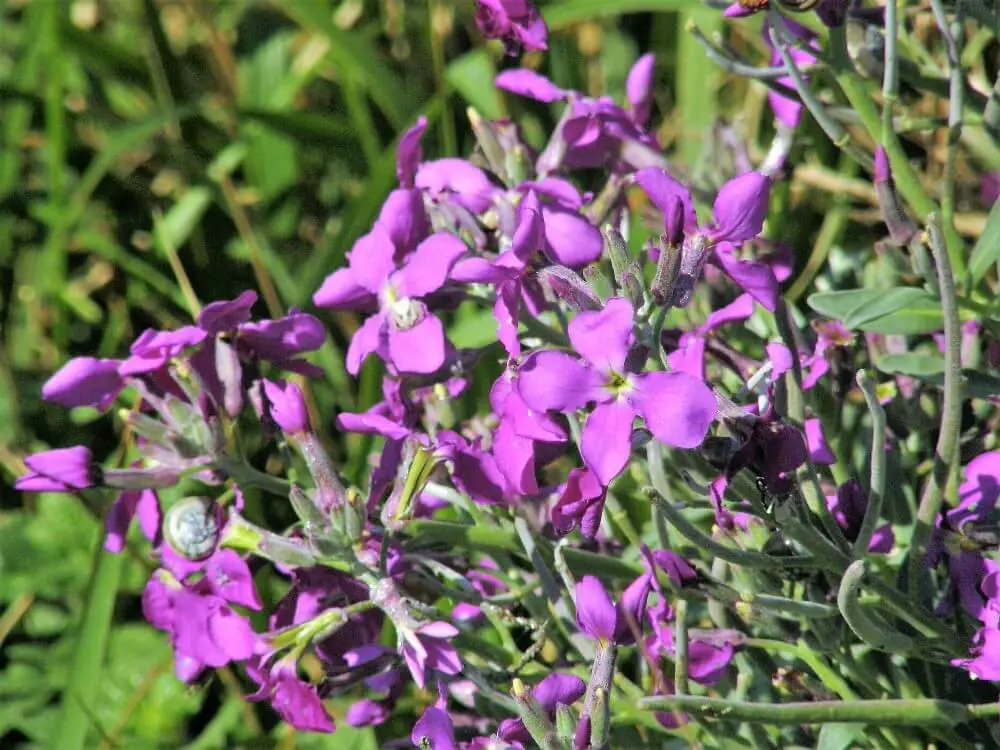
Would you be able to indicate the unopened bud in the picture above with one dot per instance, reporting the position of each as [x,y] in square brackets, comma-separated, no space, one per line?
[488,142]
[517,165]
[536,721]
[668,267]
[617,251]
[565,724]
[632,284]
[567,285]
[599,281]
[600,720]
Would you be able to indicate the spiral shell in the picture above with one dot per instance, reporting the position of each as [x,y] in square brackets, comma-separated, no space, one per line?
[191,529]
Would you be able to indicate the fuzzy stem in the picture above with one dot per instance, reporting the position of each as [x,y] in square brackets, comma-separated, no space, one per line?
[946,451]
[876,483]
[890,78]
[681,647]
[952,36]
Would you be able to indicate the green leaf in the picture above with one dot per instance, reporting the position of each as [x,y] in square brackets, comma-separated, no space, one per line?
[910,363]
[887,302]
[471,75]
[838,305]
[840,736]
[987,250]
[559,15]
[474,327]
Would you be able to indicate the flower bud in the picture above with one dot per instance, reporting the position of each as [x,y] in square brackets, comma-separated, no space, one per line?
[599,282]
[230,371]
[416,467]
[489,143]
[567,285]
[600,719]
[668,266]
[617,251]
[632,284]
[191,527]
[140,479]
[565,724]
[536,721]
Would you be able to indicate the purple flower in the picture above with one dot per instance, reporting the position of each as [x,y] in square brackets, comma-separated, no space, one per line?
[639,89]
[570,239]
[523,439]
[517,23]
[60,470]
[227,315]
[848,507]
[592,132]
[604,621]
[739,212]
[366,713]
[403,332]
[787,111]
[428,647]
[84,381]
[689,356]
[295,700]
[458,182]
[819,449]
[555,690]
[771,449]
[204,630]
[153,349]
[435,725]
[677,408]
[580,503]
[282,403]
[130,504]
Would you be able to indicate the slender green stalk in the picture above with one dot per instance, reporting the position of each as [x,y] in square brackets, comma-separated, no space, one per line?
[907,180]
[890,78]
[946,452]
[85,673]
[952,35]
[729,554]
[680,647]
[877,635]
[876,483]
[920,712]
[833,129]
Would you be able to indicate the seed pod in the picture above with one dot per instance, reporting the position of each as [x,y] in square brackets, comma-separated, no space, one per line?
[191,529]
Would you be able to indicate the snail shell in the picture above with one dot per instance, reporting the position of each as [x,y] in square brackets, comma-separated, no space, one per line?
[191,529]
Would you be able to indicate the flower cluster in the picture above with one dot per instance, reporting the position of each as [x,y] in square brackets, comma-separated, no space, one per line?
[612,367]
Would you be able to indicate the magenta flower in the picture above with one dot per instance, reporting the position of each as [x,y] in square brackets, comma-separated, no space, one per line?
[153,349]
[517,23]
[205,631]
[283,404]
[689,356]
[676,407]
[570,239]
[555,690]
[639,89]
[603,620]
[295,700]
[739,212]
[60,470]
[580,503]
[84,381]
[130,504]
[428,647]
[403,332]
[435,725]
[366,713]
[985,663]
[787,111]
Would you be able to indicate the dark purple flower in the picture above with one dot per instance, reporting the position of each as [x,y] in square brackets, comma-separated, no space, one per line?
[84,381]
[848,507]
[403,332]
[517,23]
[580,503]
[60,470]
[295,700]
[153,349]
[280,341]
[676,407]
[227,315]
[435,725]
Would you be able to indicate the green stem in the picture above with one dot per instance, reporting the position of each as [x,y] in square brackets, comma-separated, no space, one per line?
[876,484]
[681,647]
[877,635]
[919,712]
[731,555]
[946,452]
[907,180]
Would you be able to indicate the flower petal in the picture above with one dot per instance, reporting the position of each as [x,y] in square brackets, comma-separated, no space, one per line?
[756,279]
[408,154]
[604,338]
[595,612]
[677,408]
[741,207]
[556,381]
[427,269]
[570,239]
[84,381]
[367,339]
[606,440]
[225,316]
[420,349]
[530,84]
[639,88]
[662,190]
[372,259]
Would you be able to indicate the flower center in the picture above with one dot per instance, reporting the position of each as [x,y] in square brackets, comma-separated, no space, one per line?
[618,384]
[406,313]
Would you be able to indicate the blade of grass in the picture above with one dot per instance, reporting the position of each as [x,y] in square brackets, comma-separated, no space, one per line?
[85,672]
